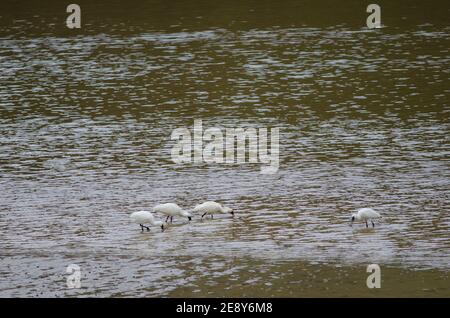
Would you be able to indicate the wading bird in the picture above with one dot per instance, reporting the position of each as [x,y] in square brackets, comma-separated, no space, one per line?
[365,214]
[171,210]
[212,208]
[145,217]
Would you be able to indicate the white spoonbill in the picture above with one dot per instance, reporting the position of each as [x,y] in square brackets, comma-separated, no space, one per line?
[366,214]
[145,217]
[211,207]
[171,210]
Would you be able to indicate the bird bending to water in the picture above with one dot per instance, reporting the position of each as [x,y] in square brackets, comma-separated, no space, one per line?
[171,210]
[365,214]
[212,208]
[145,217]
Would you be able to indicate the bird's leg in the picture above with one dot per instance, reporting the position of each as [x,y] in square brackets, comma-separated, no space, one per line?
[212,216]
[167,218]
[367,224]
[171,219]
[373,224]
[203,215]
[142,227]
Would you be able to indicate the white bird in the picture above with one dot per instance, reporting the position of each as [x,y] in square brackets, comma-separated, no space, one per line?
[211,207]
[366,214]
[145,217]
[171,210]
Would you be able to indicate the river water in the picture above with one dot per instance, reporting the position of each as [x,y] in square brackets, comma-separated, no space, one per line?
[86,118]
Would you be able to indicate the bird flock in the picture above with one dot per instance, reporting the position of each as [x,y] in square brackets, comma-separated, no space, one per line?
[169,210]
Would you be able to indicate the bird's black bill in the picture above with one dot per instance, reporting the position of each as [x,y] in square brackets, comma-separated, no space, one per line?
[353,219]
[189,218]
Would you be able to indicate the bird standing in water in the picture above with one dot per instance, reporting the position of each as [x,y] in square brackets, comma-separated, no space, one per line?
[364,215]
[145,217]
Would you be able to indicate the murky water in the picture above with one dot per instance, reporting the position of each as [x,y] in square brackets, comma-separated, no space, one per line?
[85,126]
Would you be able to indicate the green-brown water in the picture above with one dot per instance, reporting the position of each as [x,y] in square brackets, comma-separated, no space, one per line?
[86,118]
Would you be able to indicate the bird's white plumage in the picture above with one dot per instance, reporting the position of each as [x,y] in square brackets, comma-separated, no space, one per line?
[144,217]
[365,214]
[211,207]
[171,209]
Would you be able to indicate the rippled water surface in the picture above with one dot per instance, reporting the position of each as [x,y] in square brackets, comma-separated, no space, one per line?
[86,118]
